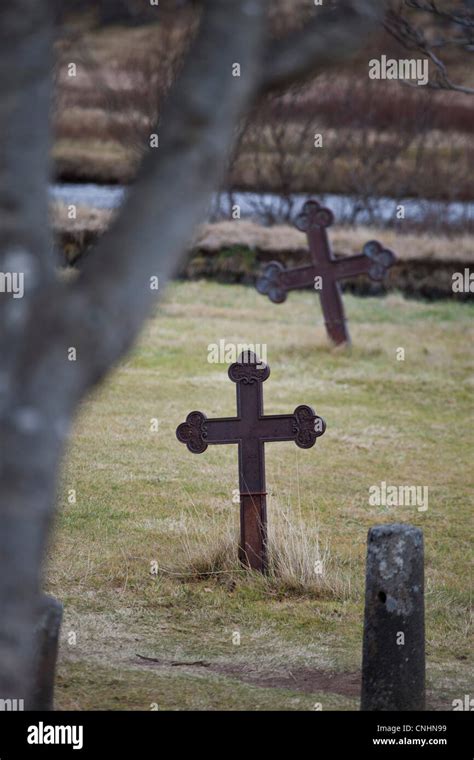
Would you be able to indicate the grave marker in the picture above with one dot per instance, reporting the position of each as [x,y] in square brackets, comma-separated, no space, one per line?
[276,281]
[250,430]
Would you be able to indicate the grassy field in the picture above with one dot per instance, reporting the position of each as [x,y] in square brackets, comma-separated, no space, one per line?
[144,549]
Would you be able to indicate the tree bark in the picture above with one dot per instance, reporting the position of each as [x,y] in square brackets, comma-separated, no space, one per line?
[100,315]
[26,472]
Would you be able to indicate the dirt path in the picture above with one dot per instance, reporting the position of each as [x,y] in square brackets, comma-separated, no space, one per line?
[305,680]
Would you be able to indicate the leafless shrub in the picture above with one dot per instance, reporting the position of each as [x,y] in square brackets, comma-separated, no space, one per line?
[119,98]
[375,144]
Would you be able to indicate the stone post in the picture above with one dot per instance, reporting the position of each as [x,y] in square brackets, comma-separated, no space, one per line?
[393,658]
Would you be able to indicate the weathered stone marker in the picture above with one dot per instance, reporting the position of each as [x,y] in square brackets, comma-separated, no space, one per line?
[50,612]
[393,658]
[325,271]
[250,430]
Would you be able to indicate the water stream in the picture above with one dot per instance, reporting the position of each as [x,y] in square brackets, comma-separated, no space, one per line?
[270,207]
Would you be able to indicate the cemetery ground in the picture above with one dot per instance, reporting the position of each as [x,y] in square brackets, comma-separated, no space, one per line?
[158,614]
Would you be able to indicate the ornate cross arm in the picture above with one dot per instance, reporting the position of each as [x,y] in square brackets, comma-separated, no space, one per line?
[275,281]
[303,427]
[198,431]
[375,260]
[193,432]
[307,426]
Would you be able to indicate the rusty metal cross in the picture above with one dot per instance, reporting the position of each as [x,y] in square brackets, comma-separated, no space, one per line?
[325,271]
[251,429]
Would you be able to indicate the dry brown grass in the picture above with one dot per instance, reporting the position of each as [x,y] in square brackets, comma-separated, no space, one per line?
[297,563]
[282,238]
[87,219]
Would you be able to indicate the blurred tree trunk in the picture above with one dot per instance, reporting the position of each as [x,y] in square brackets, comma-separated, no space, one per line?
[30,448]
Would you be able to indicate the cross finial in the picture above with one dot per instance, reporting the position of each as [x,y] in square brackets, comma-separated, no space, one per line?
[248,369]
[314,215]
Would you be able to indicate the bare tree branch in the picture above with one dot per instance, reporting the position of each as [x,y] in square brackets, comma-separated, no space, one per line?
[461,18]
[334,34]
[400,25]
[175,185]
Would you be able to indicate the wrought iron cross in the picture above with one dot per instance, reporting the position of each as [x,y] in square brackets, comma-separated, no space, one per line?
[325,270]
[251,429]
